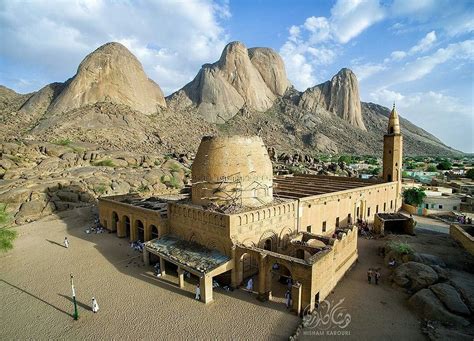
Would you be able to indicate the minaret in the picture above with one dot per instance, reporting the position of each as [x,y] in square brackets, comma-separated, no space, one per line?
[392,149]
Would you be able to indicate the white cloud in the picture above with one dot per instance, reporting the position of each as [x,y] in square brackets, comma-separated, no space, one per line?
[425,43]
[172,39]
[316,42]
[424,65]
[364,71]
[398,55]
[349,18]
[434,111]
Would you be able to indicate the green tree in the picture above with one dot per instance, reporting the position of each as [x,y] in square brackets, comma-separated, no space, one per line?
[414,196]
[470,174]
[345,158]
[431,168]
[444,165]
[375,171]
[7,234]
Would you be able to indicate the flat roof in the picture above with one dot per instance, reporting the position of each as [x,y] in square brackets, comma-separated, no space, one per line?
[186,253]
[300,186]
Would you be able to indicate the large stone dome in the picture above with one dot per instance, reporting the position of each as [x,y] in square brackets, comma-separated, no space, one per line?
[232,170]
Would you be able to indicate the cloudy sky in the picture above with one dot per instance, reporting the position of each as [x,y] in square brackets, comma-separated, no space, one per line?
[417,53]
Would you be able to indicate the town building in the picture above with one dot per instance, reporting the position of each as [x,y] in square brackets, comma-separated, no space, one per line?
[242,222]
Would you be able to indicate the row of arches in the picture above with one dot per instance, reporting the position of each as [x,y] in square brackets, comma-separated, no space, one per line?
[199,215]
[133,231]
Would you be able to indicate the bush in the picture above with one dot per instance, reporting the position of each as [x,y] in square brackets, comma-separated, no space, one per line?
[431,168]
[345,158]
[7,234]
[106,163]
[100,188]
[63,142]
[401,248]
[414,196]
[470,174]
[142,188]
[375,171]
[444,165]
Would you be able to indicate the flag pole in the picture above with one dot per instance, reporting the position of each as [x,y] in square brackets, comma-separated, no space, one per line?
[76,315]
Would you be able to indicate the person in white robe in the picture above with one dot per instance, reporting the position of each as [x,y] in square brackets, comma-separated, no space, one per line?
[95,306]
[198,292]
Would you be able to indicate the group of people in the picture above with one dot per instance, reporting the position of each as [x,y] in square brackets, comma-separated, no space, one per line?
[464,220]
[137,246]
[94,306]
[375,274]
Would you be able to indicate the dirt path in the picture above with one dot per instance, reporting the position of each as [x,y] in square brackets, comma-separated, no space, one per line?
[35,293]
[378,312]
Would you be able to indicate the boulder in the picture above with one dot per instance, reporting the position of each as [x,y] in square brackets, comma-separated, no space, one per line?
[30,210]
[428,259]
[68,196]
[6,164]
[17,195]
[427,305]
[450,298]
[414,276]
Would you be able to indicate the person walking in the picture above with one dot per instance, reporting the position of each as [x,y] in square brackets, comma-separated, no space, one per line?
[369,276]
[377,277]
[288,299]
[66,242]
[95,306]
[198,292]
[250,285]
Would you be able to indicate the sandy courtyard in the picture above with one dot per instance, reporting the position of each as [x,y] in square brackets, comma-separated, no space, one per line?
[35,293]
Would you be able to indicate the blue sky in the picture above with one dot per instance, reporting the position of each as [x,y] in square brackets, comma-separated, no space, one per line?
[417,53]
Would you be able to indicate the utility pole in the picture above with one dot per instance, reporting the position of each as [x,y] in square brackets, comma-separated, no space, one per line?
[76,315]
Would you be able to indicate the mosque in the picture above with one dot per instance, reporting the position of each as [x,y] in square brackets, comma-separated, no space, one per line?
[242,222]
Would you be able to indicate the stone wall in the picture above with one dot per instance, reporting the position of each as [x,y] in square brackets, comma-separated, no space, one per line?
[368,201]
[461,236]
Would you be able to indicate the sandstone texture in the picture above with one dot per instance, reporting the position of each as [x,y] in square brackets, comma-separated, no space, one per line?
[339,96]
[109,74]
[251,78]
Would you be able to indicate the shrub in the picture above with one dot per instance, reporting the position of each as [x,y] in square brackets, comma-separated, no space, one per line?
[100,188]
[63,142]
[444,165]
[345,158]
[401,248]
[142,188]
[431,168]
[414,196]
[470,174]
[7,234]
[171,182]
[106,163]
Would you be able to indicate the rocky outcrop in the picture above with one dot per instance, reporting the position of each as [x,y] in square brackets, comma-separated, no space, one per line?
[251,78]
[339,96]
[450,298]
[109,74]
[427,305]
[414,276]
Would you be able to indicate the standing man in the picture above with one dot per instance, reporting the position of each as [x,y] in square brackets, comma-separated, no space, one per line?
[198,292]
[369,276]
[288,299]
[250,285]
[377,277]
[95,306]
[66,243]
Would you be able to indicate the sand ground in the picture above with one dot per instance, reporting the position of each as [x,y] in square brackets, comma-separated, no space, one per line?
[35,293]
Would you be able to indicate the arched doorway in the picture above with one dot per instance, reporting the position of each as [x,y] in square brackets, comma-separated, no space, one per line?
[154,232]
[247,268]
[126,225]
[115,221]
[279,281]
[139,231]
[268,244]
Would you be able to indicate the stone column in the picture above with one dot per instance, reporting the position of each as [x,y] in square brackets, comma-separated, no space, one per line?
[146,256]
[262,277]
[205,283]
[235,272]
[121,228]
[181,277]
[162,266]
[296,298]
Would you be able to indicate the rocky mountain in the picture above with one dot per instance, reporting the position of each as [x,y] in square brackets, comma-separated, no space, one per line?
[110,101]
[339,96]
[250,78]
[111,73]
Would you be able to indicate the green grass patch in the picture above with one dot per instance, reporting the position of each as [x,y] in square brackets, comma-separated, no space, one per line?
[142,188]
[100,189]
[63,142]
[105,163]
[7,234]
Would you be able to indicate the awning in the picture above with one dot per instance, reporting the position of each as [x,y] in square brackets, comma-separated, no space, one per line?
[187,254]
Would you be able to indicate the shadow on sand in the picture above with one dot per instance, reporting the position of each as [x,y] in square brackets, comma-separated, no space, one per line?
[36,297]
[56,243]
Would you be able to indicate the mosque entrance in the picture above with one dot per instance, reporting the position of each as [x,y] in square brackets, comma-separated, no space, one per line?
[280,283]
